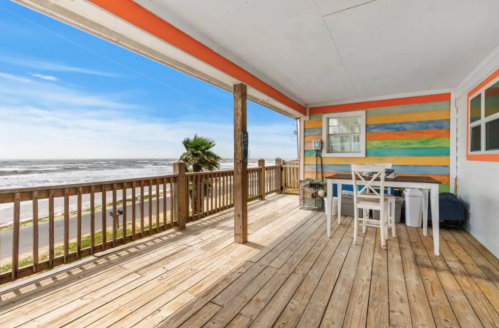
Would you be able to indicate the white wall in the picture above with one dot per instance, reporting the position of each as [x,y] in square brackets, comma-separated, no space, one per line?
[478,182]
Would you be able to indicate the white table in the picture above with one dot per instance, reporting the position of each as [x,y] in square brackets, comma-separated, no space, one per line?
[426,185]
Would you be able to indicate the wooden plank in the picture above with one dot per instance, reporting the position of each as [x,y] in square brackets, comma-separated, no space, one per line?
[316,307]
[142,209]
[483,263]
[487,286]
[150,207]
[157,205]
[297,304]
[400,314]
[171,202]
[378,311]
[400,160]
[92,220]
[115,214]
[414,108]
[407,126]
[134,209]
[442,311]
[66,225]
[483,309]
[35,231]
[424,142]
[225,316]
[103,217]
[418,302]
[240,166]
[15,235]
[124,218]
[409,117]
[51,229]
[484,251]
[202,316]
[394,152]
[356,312]
[463,310]
[78,224]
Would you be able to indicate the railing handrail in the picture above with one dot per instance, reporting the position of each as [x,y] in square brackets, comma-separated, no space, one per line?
[225,171]
[5,193]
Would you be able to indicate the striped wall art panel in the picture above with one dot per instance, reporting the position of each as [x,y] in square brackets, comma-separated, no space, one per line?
[414,137]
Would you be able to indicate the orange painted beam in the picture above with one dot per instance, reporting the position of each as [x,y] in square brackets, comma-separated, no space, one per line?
[381,103]
[148,22]
[412,134]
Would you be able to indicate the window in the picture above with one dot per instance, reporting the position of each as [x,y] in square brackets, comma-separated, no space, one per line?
[484,120]
[344,134]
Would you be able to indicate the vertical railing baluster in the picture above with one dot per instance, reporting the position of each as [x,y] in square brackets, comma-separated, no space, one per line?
[51,229]
[142,209]
[66,225]
[104,221]
[150,207]
[115,215]
[171,202]
[164,203]
[92,220]
[202,195]
[15,236]
[78,224]
[124,208]
[157,205]
[35,231]
[134,201]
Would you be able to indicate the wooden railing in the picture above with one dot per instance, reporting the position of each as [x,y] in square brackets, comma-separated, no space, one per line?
[290,177]
[125,198]
[67,221]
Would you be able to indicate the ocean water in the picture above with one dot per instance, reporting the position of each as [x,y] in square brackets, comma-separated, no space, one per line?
[36,173]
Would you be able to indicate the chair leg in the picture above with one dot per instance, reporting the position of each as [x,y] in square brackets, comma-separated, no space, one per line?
[394,225]
[382,223]
[329,226]
[355,223]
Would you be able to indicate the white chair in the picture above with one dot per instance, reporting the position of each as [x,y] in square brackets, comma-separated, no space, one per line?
[368,198]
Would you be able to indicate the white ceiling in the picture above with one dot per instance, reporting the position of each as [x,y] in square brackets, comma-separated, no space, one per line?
[323,51]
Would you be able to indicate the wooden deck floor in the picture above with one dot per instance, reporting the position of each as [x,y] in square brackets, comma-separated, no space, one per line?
[289,275]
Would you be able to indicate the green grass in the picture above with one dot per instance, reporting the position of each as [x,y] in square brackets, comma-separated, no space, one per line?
[72,214]
[85,243]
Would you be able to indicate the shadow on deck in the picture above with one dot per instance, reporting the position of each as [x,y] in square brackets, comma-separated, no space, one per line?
[289,274]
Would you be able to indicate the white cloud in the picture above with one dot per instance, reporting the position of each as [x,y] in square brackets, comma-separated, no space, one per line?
[42,120]
[45,77]
[45,65]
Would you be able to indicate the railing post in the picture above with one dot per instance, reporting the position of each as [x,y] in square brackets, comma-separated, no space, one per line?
[183,194]
[278,163]
[261,165]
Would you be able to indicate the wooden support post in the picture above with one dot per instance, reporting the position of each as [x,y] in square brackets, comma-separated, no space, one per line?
[182,194]
[261,164]
[280,185]
[240,166]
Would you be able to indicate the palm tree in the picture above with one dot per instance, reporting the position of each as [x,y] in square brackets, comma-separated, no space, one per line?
[199,157]
[198,154]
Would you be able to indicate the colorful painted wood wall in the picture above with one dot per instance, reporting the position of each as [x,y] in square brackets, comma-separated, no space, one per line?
[411,133]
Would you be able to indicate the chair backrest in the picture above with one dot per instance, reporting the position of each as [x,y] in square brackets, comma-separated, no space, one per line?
[368,190]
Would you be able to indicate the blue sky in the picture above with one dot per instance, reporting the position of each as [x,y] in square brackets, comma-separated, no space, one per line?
[67,94]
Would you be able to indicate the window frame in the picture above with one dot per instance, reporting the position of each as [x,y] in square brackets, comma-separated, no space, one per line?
[362,134]
[482,122]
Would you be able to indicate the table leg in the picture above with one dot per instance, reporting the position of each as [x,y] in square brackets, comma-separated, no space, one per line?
[340,187]
[330,201]
[435,218]
[425,212]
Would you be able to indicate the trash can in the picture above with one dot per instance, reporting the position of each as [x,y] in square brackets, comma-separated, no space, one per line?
[413,207]
[399,201]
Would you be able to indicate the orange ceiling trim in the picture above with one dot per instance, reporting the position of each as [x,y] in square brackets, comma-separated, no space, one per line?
[381,103]
[147,21]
